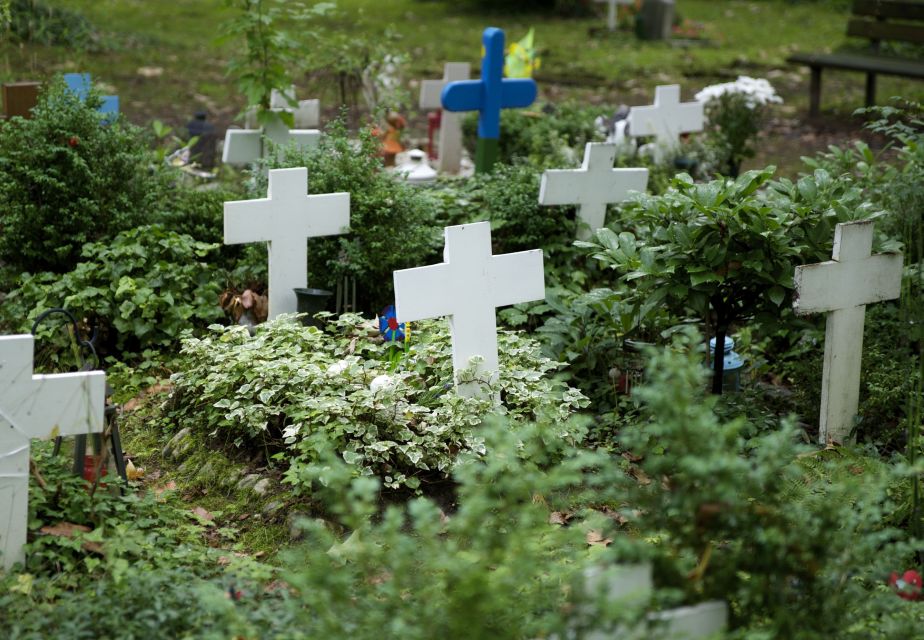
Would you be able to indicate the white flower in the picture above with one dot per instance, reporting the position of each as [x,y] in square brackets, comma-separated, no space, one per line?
[757,91]
[382,383]
[338,367]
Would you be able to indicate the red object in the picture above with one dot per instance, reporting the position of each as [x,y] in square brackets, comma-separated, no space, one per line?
[74,141]
[908,585]
[89,468]
[393,324]
[434,120]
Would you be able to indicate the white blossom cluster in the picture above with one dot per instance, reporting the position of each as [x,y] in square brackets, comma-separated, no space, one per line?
[758,91]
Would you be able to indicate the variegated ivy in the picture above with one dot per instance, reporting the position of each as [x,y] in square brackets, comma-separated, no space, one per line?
[391,412]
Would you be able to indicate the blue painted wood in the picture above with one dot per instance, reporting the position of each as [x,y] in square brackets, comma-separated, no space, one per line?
[80,83]
[492,92]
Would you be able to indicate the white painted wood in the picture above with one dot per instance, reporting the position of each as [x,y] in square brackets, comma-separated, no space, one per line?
[705,620]
[243,146]
[842,287]
[449,159]
[667,119]
[611,11]
[592,187]
[285,219]
[468,286]
[306,113]
[31,407]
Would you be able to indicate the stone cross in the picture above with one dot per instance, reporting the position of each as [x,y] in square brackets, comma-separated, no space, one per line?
[468,286]
[667,119]
[488,96]
[611,11]
[80,84]
[36,406]
[592,187]
[243,146]
[842,288]
[306,114]
[450,142]
[285,219]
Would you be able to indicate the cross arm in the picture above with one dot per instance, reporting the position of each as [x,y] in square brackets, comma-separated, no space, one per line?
[422,293]
[518,92]
[517,277]
[832,285]
[248,221]
[64,404]
[464,95]
[334,210]
[431,94]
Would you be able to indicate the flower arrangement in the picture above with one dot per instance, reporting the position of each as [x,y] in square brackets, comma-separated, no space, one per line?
[736,111]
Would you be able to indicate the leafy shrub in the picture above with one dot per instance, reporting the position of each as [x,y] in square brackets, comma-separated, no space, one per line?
[393,225]
[66,180]
[142,289]
[296,389]
[35,22]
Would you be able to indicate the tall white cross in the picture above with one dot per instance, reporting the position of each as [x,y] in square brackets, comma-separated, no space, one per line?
[667,119]
[843,287]
[31,407]
[450,140]
[468,286]
[611,11]
[306,113]
[243,146]
[285,219]
[592,187]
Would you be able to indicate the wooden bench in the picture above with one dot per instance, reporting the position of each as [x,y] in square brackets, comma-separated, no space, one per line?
[877,20]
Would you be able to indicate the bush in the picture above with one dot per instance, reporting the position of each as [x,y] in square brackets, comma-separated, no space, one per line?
[142,289]
[35,22]
[66,180]
[389,413]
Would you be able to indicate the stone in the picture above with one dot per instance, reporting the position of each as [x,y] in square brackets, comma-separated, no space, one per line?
[178,444]
[80,84]
[468,286]
[19,98]
[488,96]
[296,532]
[842,287]
[270,508]
[592,187]
[667,119]
[32,407]
[248,482]
[450,138]
[285,219]
[611,11]
[262,486]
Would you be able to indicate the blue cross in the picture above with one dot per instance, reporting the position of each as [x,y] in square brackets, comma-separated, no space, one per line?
[79,84]
[493,92]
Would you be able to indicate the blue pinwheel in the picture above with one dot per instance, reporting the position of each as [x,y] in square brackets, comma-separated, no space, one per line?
[389,327]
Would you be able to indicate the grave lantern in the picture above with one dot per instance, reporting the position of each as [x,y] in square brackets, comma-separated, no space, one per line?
[733,364]
[416,169]
[203,151]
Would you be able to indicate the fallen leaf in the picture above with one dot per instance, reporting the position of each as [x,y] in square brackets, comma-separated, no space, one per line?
[204,514]
[640,476]
[614,515]
[631,457]
[595,539]
[132,472]
[64,529]
[560,517]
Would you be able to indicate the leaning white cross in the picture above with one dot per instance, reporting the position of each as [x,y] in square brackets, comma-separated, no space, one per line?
[450,141]
[592,187]
[667,119]
[611,11]
[306,113]
[243,146]
[468,287]
[285,219]
[843,287]
[42,406]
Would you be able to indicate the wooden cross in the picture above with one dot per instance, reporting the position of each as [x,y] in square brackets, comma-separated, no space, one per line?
[243,146]
[468,286]
[592,187]
[611,11]
[284,219]
[842,288]
[80,84]
[667,119]
[450,142]
[488,96]
[306,113]
[31,407]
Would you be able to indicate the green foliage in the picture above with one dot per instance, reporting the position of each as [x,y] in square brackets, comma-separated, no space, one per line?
[35,22]
[562,8]
[142,289]
[733,128]
[389,413]
[66,180]
[393,225]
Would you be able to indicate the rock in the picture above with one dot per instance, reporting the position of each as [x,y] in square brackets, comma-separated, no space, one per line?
[272,507]
[178,444]
[262,486]
[295,532]
[248,481]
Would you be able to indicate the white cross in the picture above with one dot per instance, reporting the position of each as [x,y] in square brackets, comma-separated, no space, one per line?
[33,407]
[843,287]
[284,219]
[307,113]
[592,187]
[611,11]
[243,146]
[450,141]
[667,119]
[468,287]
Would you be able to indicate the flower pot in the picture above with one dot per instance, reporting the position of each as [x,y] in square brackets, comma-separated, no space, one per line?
[310,302]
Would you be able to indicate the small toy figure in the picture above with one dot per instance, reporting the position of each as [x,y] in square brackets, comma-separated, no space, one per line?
[391,139]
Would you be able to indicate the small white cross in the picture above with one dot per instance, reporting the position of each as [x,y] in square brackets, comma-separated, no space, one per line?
[307,113]
[592,187]
[843,287]
[243,146]
[34,407]
[667,119]
[611,11]
[450,141]
[468,286]
[284,219]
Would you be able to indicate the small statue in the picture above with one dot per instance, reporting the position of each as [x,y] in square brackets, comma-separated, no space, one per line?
[391,139]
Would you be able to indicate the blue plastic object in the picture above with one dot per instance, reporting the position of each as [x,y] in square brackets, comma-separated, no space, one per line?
[493,92]
[80,83]
[389,327]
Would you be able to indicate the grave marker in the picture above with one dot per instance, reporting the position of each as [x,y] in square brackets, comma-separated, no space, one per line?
[488,96]
[285,219]
[450,140]
[306,114]
[243,146]
[468,286]
[842,288]
[667,119]
[19,98]
[611,11]
[592,187]
[36,406]
[80,84]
